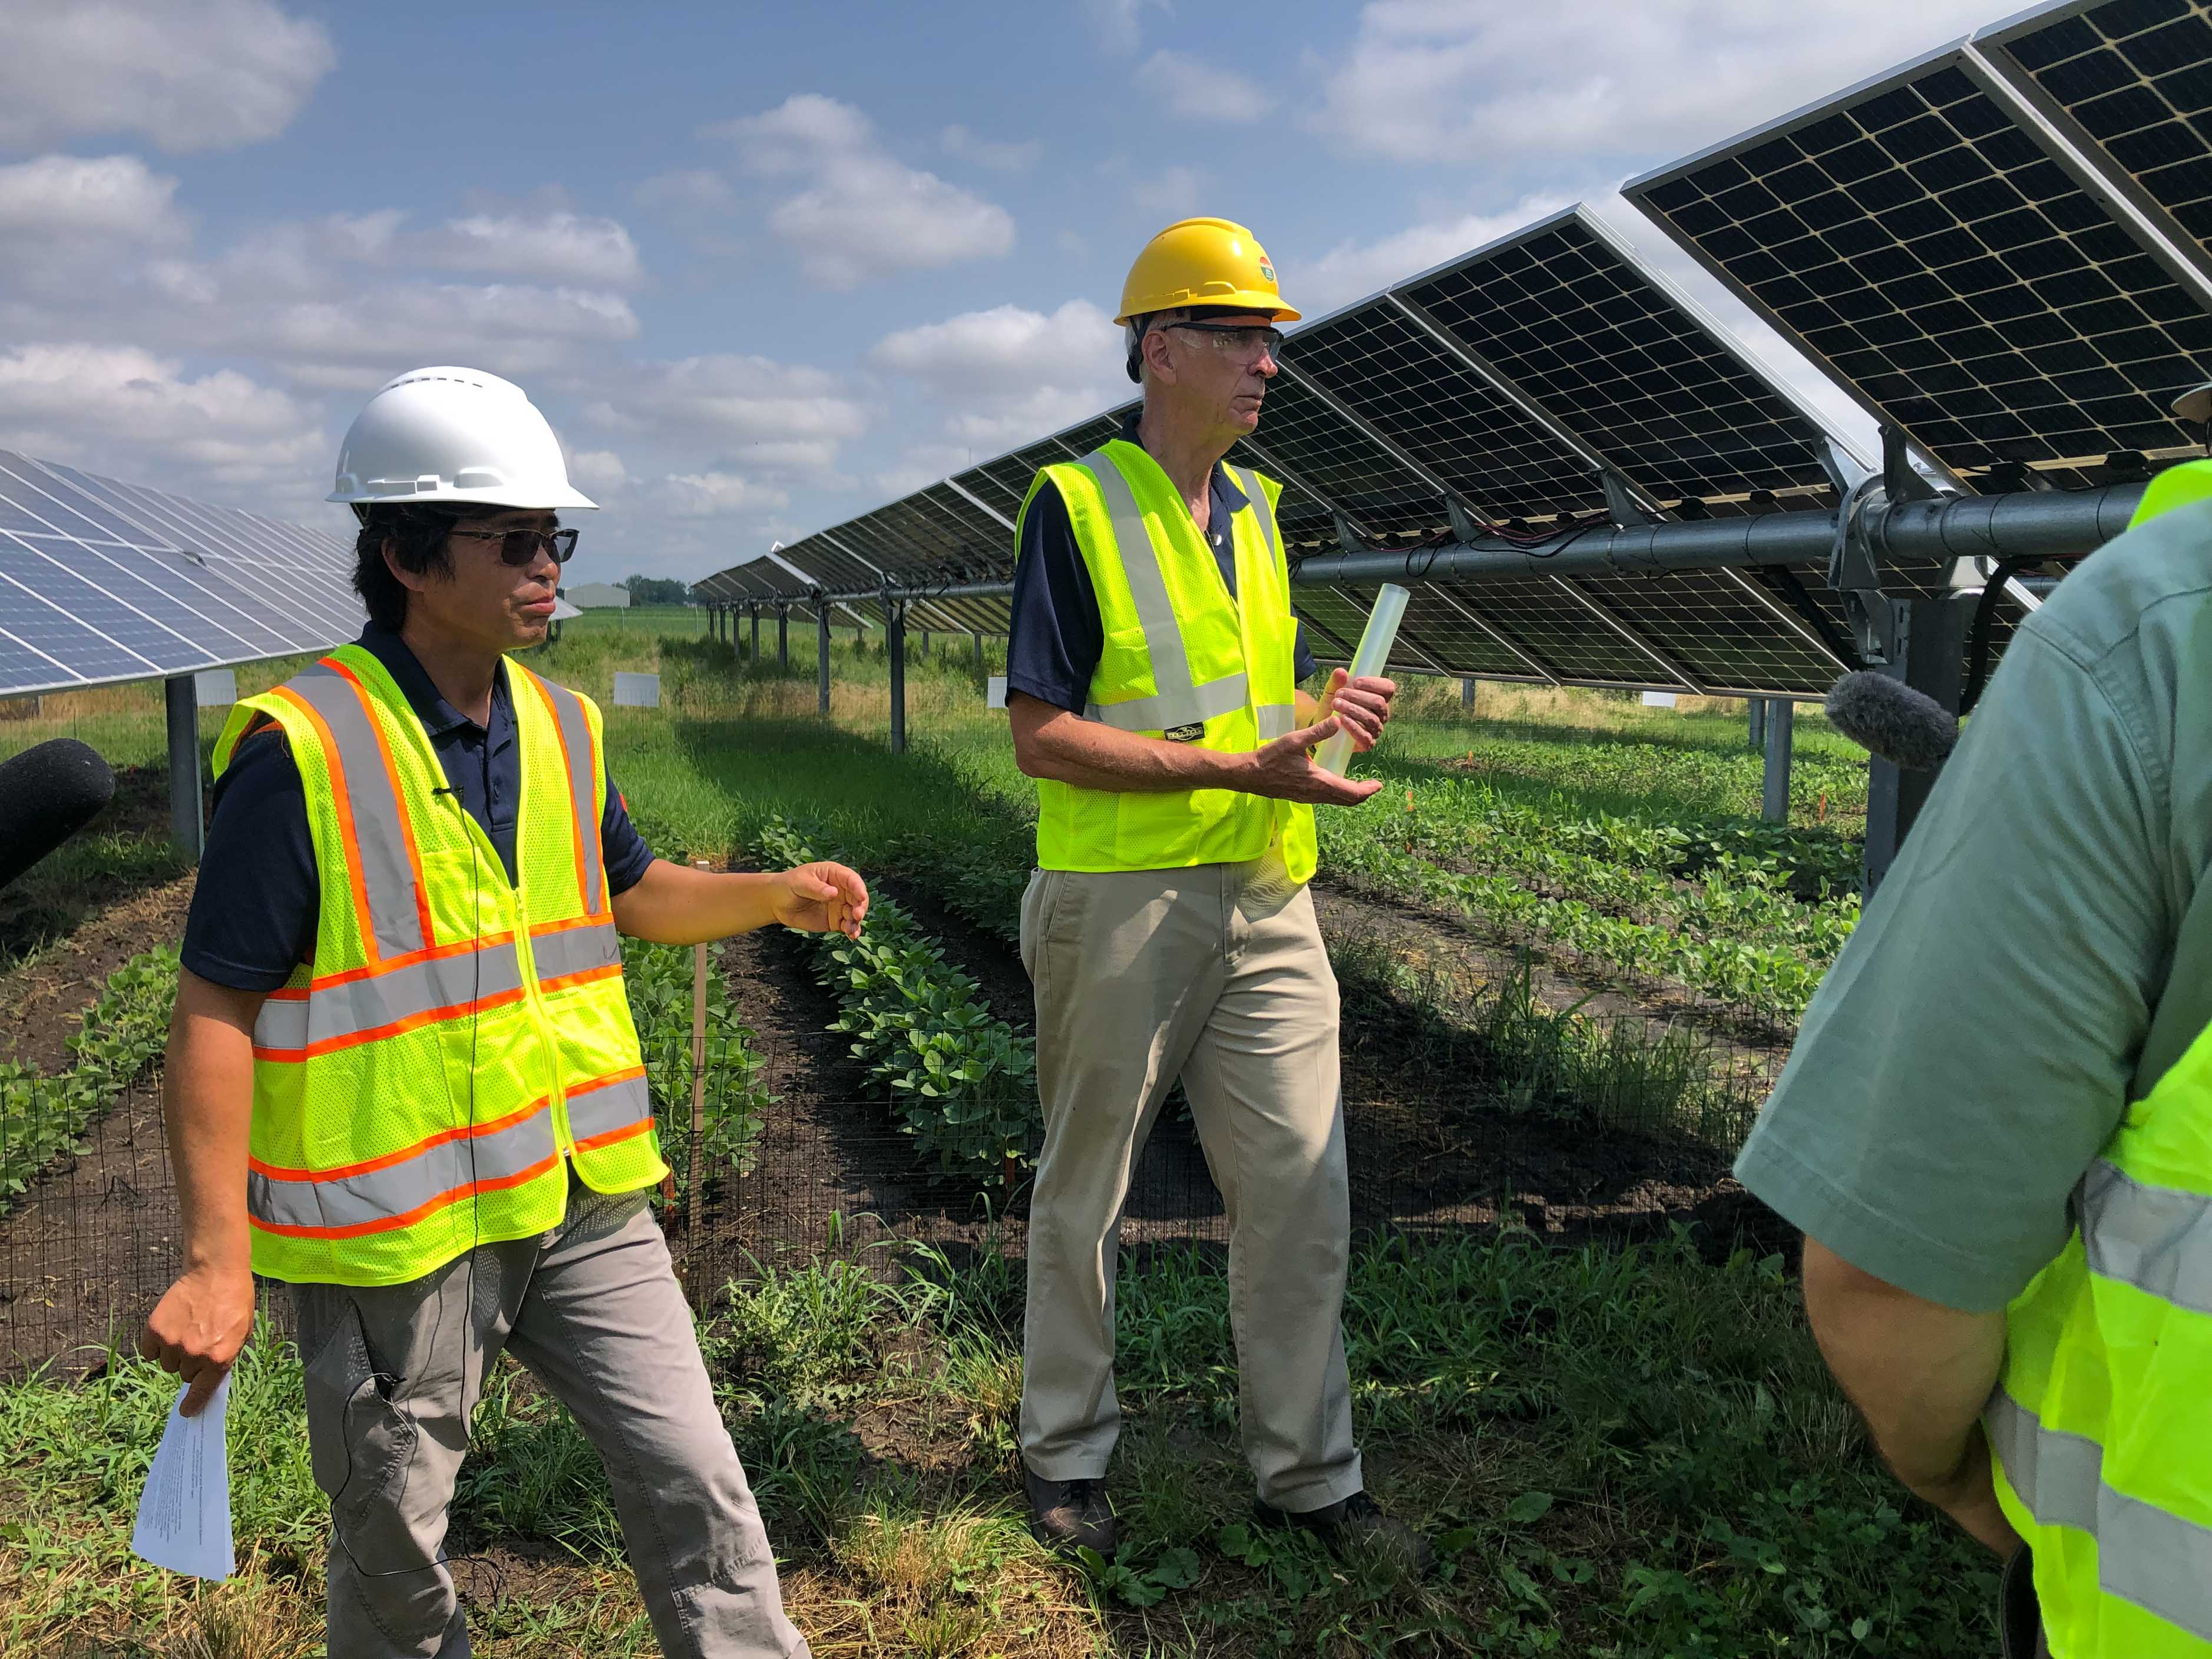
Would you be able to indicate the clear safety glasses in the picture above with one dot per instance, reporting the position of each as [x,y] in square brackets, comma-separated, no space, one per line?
[1241,341]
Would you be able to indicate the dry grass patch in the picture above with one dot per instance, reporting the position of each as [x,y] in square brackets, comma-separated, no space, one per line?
[959,1583]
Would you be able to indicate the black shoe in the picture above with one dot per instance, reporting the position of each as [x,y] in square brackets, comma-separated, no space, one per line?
[1070,1515]
[1356,1523]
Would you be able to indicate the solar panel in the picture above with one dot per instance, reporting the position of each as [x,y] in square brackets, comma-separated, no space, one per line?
[1612,353]
[1918,235]
[2134,79]
[102,581]
[1300,437]
[1402,381]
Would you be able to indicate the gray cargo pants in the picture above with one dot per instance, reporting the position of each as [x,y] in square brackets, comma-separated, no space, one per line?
[1216,974]
[594,1309]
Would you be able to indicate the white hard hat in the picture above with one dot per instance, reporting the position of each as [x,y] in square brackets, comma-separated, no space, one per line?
[453,434]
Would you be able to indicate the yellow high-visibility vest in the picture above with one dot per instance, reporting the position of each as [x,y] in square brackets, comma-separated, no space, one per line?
[2102,1459]
[418,1085]
[1182,660]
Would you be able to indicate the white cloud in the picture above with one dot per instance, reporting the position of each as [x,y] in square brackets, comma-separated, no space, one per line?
[111,197]
[862,213]
[1171,194]
[1118,24]
[772,418]
[207,75]
[1202,92]
[920,465]
[1001,155]
[115,405]
[1009,374]
[712,494]
[597,472]
[1352,270]
[558,247]
[686,190]
[1549,89]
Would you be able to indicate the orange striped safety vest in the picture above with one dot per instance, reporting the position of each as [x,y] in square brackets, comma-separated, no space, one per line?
[419,1083]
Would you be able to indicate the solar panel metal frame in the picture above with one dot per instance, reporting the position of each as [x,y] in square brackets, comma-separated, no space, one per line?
[161,586]
[2079,173]
[2023,49]
[1537,393]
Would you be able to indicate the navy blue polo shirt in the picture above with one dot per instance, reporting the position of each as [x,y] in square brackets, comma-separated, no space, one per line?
[1056,635]
[255,907]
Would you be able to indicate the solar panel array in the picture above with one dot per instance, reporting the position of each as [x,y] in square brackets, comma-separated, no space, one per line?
[1998,249]
[1957,266]
[102,581]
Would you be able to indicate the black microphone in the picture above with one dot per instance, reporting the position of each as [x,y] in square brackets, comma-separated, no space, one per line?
[1892,721]
[47,794]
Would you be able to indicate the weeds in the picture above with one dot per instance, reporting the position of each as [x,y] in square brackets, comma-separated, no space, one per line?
[41,1117]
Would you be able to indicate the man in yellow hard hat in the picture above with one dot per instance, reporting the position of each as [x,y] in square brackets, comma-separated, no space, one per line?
[1153,681]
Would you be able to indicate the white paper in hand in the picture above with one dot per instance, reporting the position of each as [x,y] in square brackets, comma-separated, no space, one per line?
[184,1516]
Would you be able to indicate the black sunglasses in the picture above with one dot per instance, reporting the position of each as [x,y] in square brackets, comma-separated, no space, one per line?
[519,547]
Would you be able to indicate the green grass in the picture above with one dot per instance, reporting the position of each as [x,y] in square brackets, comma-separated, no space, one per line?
[1619,1453]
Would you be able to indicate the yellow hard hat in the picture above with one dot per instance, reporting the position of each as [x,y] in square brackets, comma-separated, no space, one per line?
[1203,262]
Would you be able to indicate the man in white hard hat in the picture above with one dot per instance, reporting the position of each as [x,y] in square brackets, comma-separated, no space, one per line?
[402,1075]
[1153,670]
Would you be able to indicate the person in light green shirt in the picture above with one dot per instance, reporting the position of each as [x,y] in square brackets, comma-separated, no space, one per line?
[2039,955]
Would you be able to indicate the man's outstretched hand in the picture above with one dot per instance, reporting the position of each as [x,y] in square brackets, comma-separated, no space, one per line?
[1283,771]
[197,1328]
[822,898]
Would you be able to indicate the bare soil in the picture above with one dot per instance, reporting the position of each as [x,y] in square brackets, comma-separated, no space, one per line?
[42,1000]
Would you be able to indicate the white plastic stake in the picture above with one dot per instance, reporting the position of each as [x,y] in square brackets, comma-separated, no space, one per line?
[1382,633]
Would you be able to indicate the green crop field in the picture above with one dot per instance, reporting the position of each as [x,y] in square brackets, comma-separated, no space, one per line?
[1621,1449]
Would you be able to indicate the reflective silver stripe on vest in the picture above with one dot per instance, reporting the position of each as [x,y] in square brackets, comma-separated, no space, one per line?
[446,986]
[564,951]
[1250,483]
[2145,1555]
[1202,703]
[1277,719]
[392,1191]
[576,739]
[2158,1239]
[1178,701]
[395,914]
[597,1109]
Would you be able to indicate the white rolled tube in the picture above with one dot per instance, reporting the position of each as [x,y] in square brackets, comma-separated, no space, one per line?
[1374,651]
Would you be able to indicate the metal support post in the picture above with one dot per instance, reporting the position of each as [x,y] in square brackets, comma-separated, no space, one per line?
[925,645]
[755,636]
[1757,723]
[783,637]
[895,639]
[822,657]
[1781,724]
[186,820]
[1930,657]
[1467,696]
[979,650]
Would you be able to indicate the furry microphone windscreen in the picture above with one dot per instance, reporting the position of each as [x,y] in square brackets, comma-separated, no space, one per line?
[1892,721]
[47,794]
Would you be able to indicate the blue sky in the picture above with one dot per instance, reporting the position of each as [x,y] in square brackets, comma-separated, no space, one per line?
[764,268]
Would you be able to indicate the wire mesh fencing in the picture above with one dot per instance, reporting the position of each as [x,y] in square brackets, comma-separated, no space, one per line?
[791,1162]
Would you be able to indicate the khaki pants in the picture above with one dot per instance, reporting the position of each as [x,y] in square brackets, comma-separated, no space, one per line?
[594,1309]
[1207,973]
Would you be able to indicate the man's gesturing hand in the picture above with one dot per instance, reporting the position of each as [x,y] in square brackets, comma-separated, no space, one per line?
[822,898]
[197,1328]
[1363,705]
[1282,771]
